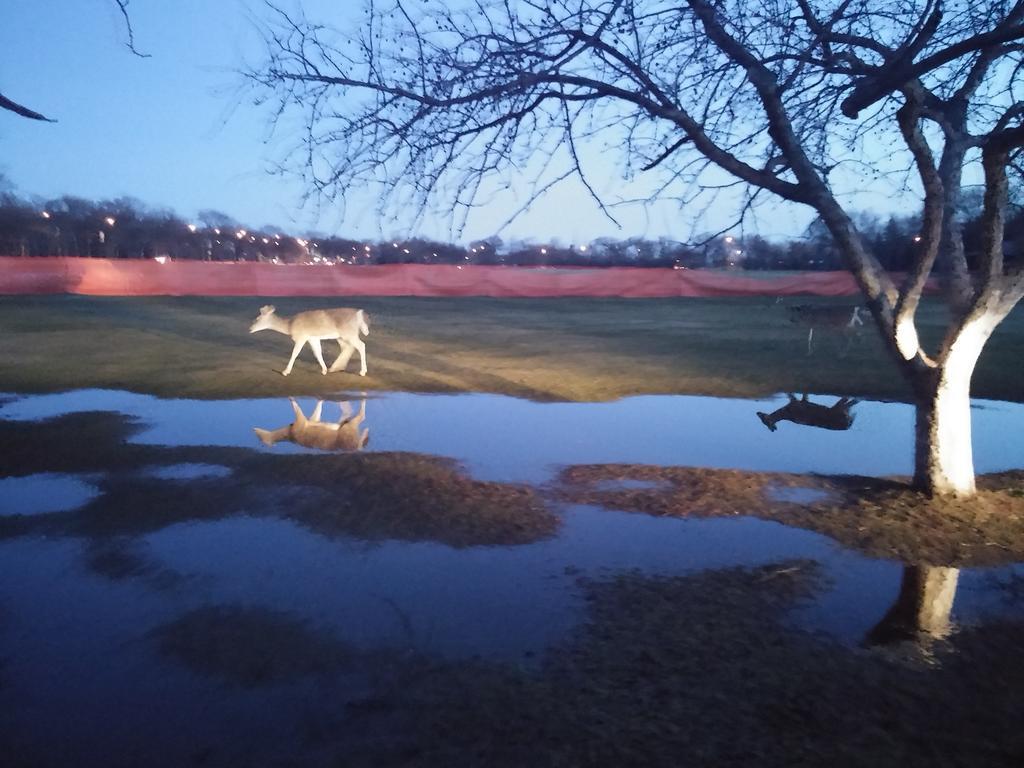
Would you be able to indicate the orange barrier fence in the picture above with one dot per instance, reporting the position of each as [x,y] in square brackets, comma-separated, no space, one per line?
[136,277]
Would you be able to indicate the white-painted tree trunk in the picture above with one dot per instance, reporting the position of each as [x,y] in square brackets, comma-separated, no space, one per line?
[943,455]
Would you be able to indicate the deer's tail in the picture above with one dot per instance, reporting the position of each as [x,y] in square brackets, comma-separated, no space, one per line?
[364,322]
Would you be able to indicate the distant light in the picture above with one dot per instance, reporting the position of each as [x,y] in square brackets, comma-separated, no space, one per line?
[583,248]
[917,238]
[240,234]
[111,221]
[160,259]
[405,250]
[301,242]
[366,248]
[265,240]
[728,239]
[192,228]
[252,238]
[216,231]
[543,250]
[45,214]
[394,245]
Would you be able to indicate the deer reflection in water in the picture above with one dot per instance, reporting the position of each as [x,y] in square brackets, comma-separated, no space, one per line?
[922,608]
[342,435]
[803,411]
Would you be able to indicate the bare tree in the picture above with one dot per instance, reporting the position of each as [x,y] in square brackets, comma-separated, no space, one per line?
[434,99]
[31,114]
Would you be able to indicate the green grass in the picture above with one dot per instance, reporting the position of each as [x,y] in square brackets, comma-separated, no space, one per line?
[545,349]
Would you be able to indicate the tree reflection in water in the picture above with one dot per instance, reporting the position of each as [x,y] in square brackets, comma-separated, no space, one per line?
[922,608]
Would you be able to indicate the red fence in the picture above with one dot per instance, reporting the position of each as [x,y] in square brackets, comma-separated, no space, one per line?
[105,277]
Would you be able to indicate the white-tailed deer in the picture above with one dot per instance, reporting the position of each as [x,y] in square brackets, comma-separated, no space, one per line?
[843,319]
[343,435]
[343,324]
[803,411]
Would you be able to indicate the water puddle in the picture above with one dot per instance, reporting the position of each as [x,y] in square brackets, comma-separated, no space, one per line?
[189,472]
[42,494]
[312,558]
[627,484]
[511,440]
[797,494]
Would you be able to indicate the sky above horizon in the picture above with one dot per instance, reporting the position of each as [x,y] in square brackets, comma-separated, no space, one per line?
[176,130]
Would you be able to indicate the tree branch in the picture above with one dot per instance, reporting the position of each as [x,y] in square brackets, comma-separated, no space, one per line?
[18,109]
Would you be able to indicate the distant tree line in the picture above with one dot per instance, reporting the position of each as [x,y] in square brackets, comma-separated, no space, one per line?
[127,229]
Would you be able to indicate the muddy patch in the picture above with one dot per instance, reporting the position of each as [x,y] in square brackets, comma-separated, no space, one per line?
[877,516]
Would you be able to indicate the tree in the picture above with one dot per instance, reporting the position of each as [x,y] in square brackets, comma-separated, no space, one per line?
[782,96]
[31,114]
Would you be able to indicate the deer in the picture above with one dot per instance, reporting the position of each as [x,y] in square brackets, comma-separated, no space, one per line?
[343,324]
[803,411]
[845,319]
[343,435]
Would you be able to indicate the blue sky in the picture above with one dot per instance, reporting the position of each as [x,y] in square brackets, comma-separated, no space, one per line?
[172,129]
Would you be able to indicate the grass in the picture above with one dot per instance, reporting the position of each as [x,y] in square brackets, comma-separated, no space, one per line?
[543,349]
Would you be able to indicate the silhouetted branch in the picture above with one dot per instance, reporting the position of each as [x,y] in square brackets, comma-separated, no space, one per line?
[18,109]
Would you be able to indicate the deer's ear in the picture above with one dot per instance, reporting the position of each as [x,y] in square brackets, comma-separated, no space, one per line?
[267,309]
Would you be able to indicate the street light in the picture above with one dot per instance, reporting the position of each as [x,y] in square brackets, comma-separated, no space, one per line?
[192,228]
[45,214]
[111,221]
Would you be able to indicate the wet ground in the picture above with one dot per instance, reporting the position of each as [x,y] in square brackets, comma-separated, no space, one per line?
[263,582]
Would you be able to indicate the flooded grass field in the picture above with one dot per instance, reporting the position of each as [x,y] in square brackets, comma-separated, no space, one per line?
[409,579]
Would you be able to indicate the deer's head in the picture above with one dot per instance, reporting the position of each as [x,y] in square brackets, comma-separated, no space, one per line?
[262,321]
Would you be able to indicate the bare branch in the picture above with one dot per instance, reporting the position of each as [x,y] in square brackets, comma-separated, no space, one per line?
[123,7]
[18,109]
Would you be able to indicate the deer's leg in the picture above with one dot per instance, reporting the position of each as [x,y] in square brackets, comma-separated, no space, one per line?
[315,416]
[361,348]
[318,353]
[346,411]
[344,355]
[295,354]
